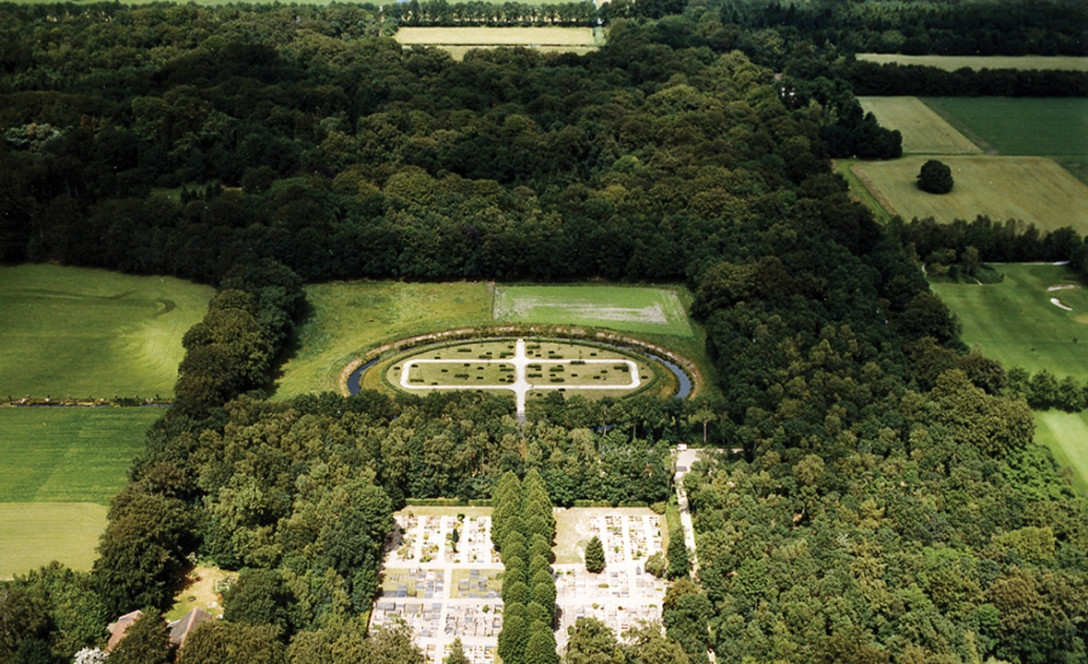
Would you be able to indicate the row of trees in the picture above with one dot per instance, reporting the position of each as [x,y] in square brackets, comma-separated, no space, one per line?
[523,521]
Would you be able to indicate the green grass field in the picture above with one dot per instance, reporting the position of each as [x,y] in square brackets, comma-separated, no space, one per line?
[69,454]
[1015,323]
[1066,434]
[1052,127]
[954,62]
[92,333]
[349,318]
[626,309]
[924,132]
[34,534]
[1033,189]
[495,36]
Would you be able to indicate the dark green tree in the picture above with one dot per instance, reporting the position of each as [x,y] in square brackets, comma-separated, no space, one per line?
[260,597]
[935,177]
[595,559]
[679,564]
[592,642]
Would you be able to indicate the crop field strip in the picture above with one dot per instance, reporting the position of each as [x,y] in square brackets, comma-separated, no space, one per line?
[924,131]
[62,466]
[978,62]
[92,333]
[1051,127]
[496,36]
[1033,189]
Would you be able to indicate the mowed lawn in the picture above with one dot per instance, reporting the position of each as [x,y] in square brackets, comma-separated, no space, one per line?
[626,309]
[977,62]
[35,534]
[349,318]
[1066,434]
[1015,323]
[924,132]
[1019,126]
[92,333]
[61,467]
[1033,189]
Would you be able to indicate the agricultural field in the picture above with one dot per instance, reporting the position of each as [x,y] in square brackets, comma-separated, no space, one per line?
[1052,127]
[92,333]
[977,62]
[1066,434]
[459,40]
[645,310]
[924,132]
[1033,189]
[61,468]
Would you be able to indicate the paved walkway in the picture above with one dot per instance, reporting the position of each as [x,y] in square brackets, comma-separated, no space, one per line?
[521,385]
[684,459]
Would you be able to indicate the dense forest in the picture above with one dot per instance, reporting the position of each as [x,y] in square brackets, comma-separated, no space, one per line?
[878,496]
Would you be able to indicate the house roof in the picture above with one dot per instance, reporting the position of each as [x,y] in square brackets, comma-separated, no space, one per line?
[119,627]
[180,629]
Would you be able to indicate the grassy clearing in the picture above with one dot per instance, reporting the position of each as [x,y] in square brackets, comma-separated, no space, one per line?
[954,62]
[495,36]
[1015,323]
[34,534]
[92,333]
[572,526]
[1066,434]
[924,132]
[1019,126]
[626,309]
[351,317]
[69,454]
[1032,189]
[201,591]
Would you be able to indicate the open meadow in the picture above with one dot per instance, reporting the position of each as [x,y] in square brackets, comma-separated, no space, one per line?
[1066,434]
[1033,189]
[977,62]
[1051,127]
[1015,323]
[61,468]
[92,333]
[924,132]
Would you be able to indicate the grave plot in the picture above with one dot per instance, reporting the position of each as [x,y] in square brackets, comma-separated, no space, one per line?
[442,578]
[624,593]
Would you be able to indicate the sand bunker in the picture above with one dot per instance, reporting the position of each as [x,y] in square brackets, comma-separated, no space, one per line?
[1058,303]
[1062,287]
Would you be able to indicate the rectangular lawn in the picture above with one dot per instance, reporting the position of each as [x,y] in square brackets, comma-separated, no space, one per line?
[1032,189]
[634,309]
[495,36]
[92,333]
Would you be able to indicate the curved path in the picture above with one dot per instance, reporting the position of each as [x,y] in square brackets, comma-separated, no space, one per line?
[521,385]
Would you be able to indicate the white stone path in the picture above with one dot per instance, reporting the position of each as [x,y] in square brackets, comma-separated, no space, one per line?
[521,384]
